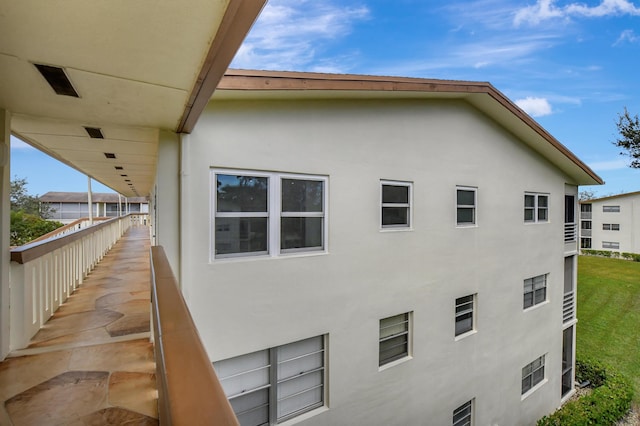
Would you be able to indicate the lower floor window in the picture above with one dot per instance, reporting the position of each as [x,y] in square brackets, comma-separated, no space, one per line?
[532,374]
[535,291]
[464,314]
[611,245]
[463,415]
[394,338]
[273,385]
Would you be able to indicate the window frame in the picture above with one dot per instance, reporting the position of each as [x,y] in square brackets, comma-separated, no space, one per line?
[462,315]
[534,292]
[613,245]
[533,383]
[610,226]
[274,365]
[473,207]
[408,205]
[274,214]
[407,321]
[467,419]
[536,208]
[611,209]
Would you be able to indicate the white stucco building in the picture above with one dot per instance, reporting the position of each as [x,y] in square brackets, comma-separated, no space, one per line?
[409,243]
[611,223]
[66,207]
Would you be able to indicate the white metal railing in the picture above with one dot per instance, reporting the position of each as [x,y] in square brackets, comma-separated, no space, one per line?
[44,273]
[570,232]
[585,232]
[568,307]
[585,215]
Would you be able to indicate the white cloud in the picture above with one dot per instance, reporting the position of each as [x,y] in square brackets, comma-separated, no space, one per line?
[627,36]
[288,33]
[544,10]
[536,107]
[600,166]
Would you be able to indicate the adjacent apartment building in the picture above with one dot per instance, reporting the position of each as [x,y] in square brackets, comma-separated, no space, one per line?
[611,223]
[66,207]
[381,251]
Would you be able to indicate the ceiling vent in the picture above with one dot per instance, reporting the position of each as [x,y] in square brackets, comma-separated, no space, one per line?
[94,132]
[109,155]
[119,167]
[57,79]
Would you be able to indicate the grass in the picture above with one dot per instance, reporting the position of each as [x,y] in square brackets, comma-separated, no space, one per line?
[608,327]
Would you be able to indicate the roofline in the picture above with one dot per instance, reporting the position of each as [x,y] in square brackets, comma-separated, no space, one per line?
[248,80]
[610,197]
[236,22]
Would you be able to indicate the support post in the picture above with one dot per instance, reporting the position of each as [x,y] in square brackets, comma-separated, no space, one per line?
[5,221]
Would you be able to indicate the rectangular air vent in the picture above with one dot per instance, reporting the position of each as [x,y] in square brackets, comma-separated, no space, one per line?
[119,167]
[57,79]
[109,155]
[94,132]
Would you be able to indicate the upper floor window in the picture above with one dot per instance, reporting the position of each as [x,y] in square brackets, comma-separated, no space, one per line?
[273,385]
[466,201]
[268,213]
[610,226]
[396,204]
[532,374]
[465,314]
[536,207]
[394,338]
[611,209]
[535,291]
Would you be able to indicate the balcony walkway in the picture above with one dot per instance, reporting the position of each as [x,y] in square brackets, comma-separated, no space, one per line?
[92,363]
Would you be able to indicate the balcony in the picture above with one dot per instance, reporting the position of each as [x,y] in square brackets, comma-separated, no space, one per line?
[568,307]
[570,232]
[82,346]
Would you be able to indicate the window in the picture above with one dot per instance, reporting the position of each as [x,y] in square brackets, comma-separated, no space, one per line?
[536,207]
[396,204]
[277,384]
[611,209]
[585,243]
[463,415]
[464,314]
[268,213]
[535,291]
[532,374]
[610,226]
[611,245]
[466,206]
[585,224]
[394,338]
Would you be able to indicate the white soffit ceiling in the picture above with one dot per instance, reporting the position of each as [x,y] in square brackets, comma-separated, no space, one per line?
[133,64]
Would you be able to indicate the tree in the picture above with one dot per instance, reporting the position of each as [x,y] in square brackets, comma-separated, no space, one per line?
[629,139]
[28,218]
[586,195]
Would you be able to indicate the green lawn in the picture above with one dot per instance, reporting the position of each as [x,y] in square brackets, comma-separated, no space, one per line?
[609,314]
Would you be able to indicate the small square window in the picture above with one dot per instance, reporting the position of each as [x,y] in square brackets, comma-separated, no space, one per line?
[394,338]
[396,204]
[466,206]
[535,291]
[536,207]
[464,314]
[463,415]
[532,374]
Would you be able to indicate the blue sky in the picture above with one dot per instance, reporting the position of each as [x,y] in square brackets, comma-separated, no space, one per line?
[573,66]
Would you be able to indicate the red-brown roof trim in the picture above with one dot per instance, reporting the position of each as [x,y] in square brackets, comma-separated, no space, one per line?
[287,80]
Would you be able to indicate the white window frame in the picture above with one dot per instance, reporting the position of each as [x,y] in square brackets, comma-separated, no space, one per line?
[530,374]
[613,245]
[536,207]
[610,209]
[408,206]
[534,291]
[466,410]
[473,206]
[274,214]
[459,303]
[610,226]
[406,331]
[268,372]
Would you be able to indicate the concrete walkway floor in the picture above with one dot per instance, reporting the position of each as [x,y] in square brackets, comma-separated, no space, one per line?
[92,362]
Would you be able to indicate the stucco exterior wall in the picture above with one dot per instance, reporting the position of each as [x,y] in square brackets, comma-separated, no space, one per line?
[252,303]
[628,218]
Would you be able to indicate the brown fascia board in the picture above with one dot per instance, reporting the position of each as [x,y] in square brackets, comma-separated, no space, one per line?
[236,22]
[286,80]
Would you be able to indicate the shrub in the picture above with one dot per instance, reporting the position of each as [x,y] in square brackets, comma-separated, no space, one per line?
[609,401]
[26,227]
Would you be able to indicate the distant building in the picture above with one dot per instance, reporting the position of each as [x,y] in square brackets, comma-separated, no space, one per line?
[611,223]
[69,206]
